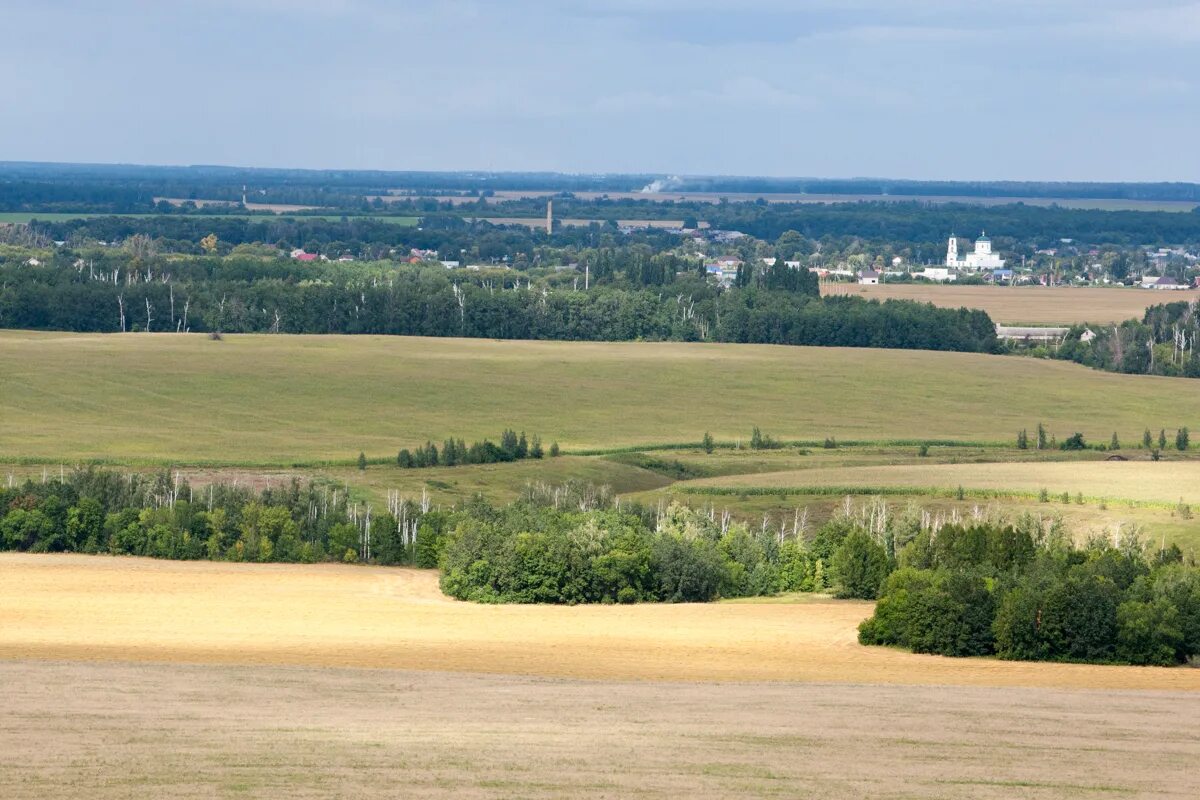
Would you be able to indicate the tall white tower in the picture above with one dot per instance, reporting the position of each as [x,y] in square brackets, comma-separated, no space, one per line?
[549,216]
[952,252]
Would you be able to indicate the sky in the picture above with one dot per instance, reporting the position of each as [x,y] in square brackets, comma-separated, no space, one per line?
[923,89]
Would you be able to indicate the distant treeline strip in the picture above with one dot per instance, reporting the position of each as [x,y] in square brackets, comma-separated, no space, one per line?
[427,303]
[796,443]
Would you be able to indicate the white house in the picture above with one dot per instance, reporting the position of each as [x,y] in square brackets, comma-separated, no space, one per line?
[1164,284]
[939,274]
[982,258]
[868,277]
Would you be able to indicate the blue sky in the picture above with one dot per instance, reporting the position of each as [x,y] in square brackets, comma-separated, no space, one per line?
[935,89]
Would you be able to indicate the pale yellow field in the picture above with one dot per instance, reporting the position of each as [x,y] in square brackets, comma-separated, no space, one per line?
[1058,305]
[1145,480]
[102,608]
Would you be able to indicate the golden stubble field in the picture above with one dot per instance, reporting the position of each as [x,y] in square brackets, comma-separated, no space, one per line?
[1035,305]
[1164,481]
[93,607]
[137,678]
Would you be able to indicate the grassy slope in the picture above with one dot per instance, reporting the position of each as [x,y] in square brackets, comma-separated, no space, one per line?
[276,399]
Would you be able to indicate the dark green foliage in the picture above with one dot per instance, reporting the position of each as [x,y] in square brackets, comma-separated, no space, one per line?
[455,452]
[1073,442]
[859,566]
[1147,440]
[761,441]
[1041,437]
[534,552]
[362,461]
[1162,439]
[1181,439]
[1151,345]
[554,451]
[707,443]
[932,611]
[249,295]
[1022,440]
[996,589]
[99,511]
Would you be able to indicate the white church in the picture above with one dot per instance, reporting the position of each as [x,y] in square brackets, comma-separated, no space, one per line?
[982,258]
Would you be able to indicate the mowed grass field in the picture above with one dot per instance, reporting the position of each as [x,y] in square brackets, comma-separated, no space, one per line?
[277,400]
[1029,305]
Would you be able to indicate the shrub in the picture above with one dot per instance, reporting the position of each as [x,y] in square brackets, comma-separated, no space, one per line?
[1073,442]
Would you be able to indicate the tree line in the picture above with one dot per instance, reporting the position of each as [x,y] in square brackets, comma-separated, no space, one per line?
[991,589]
[1163,342]
[101,511]
[251,297]
[455,452]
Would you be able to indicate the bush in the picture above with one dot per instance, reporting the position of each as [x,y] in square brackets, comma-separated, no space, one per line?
[1073,442]
[927,611]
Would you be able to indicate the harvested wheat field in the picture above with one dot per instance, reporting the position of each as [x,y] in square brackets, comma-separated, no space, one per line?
[1142,481]
[103,608]
[128,677]
[152,730]
[1035,305]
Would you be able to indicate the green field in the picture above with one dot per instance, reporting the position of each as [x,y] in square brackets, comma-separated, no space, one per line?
[22,217]
[278,400]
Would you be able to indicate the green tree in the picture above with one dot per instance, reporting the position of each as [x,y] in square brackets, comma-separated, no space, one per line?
[1181,439]
[1114,443]
[1147,439]
[1041,437]
[1162,439]
[859,566]
[362,461]
[707,443]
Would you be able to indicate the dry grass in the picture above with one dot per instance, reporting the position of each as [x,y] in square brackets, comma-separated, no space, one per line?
[1148,481]
[100,608]
[276,400]
[1031,305]
[147,730]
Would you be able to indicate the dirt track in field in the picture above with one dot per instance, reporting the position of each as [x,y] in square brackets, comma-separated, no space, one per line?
[126,609]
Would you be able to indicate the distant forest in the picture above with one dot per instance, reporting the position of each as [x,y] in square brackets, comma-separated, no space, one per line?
[349,182]
[286,296]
